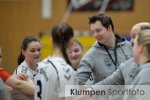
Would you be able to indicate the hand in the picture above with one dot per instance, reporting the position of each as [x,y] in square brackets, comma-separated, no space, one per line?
[9,88]
[21,76]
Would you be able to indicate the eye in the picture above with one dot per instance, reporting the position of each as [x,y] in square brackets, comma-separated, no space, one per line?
[133,36]
[76,50]
[32,50]
[98,30]
[39,49]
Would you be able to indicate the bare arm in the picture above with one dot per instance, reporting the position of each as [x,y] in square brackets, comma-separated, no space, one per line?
[22,86]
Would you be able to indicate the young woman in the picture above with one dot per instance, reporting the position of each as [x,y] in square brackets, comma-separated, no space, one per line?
[141,54]
[55,72]
[29,57]
[75,53]
[27,61]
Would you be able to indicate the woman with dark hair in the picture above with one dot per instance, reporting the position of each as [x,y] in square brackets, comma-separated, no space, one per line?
[29,57]
[55,72]
[27,61]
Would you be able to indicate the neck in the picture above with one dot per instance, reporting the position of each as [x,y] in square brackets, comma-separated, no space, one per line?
[33,66]
[57,53]
[111,41]
[143,59]
[75,66]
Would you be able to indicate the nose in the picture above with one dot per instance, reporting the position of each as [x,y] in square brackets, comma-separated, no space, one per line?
[38,52]
[73,53]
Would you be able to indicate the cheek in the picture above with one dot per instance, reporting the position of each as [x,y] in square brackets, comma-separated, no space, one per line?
[79,54]
[29,55]
[135,54]
[40,52]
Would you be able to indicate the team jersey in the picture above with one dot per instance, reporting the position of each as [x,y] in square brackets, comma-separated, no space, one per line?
[52,76]
[3,74]
[23,67]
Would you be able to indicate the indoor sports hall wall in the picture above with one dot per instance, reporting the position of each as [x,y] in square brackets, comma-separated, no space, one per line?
[19,18]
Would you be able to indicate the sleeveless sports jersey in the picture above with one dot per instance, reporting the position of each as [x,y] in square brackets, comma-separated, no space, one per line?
[52,76]
[23,67]
[3,74]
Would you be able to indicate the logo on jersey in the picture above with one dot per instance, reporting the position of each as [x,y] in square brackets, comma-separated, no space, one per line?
[107,61]
[67,73]
[133,73]
[42,71]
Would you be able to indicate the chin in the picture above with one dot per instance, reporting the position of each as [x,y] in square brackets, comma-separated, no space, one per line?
[36,60]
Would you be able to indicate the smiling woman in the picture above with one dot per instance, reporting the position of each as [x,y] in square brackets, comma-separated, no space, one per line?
[27,60]
[75,53]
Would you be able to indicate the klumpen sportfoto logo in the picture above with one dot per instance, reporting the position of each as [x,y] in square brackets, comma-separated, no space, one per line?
[107,91]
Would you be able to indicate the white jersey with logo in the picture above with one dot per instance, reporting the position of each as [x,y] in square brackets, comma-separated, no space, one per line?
[23,67]
[52,76]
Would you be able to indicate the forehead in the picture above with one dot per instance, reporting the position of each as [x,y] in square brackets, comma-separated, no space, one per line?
[96,24]
[33,44]
[135,31]
[74,45]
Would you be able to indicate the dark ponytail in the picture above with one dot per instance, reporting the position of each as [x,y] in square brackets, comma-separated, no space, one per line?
[61,34]
[20,58]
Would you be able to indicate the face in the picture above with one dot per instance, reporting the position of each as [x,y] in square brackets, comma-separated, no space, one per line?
[33,52]
[0,57]
[135,50]
[75,54]
[100,33]
[134,33]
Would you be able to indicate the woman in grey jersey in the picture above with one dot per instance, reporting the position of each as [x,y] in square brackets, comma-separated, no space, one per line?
[141,54]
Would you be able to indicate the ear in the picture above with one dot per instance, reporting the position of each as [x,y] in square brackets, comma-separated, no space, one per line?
[23,51]
[141,48]
[109,27]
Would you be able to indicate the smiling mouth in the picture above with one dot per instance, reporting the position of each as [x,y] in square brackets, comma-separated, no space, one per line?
[36,57]
[98,37]
[74,58]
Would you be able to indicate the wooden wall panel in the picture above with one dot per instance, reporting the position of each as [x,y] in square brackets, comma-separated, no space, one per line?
[19,18]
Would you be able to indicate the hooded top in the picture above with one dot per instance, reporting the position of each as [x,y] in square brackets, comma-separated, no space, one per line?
[3,92]
[100,60]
